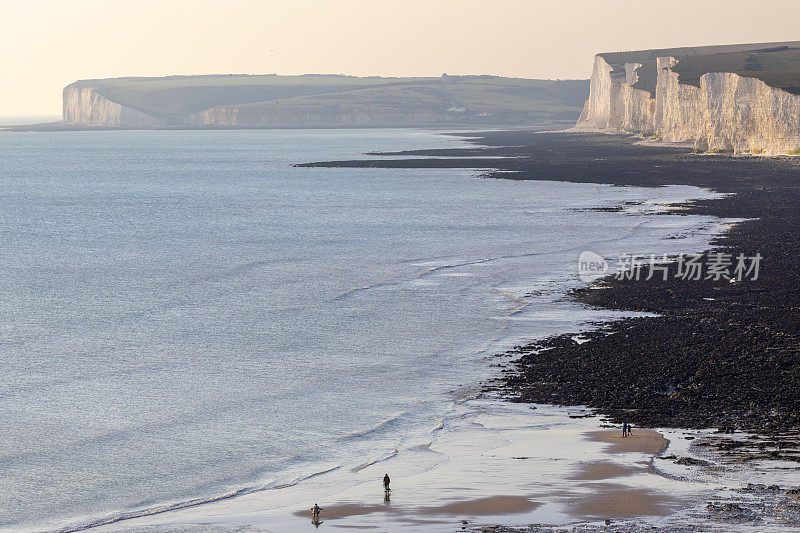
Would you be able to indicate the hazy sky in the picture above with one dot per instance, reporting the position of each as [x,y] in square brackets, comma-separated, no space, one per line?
[48,44]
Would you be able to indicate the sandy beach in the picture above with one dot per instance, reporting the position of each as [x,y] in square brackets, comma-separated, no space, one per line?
[642,440]
[503,464]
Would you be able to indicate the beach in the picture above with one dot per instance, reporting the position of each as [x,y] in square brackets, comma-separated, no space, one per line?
[494,467]
[571,470]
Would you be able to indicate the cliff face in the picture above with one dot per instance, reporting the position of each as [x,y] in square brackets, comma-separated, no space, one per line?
[727,112]
[84,105]
[614,104]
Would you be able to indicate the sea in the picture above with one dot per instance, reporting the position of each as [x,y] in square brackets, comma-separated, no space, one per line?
[187,317]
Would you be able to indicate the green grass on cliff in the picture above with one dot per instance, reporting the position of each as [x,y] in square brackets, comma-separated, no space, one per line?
[779,67]
[776,64]
[174,97]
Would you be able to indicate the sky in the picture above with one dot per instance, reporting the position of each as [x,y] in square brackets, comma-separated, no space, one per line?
[47,44]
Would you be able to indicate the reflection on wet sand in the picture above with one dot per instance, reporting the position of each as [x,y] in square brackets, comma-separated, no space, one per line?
[640,440]
[604,470]
[609,500]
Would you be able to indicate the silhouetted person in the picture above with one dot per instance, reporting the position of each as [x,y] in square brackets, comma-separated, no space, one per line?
[386,483]
[630,428]
[315,511]
[624,429]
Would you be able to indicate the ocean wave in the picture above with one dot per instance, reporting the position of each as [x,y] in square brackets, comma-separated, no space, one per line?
[375,461]
[294,482]
[354,290]
[377,428]
[155,511]
[196,502]
[521,304]
[636,228]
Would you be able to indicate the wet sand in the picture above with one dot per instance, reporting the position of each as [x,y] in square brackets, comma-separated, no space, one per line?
[590,497]
[640,440]
[614,500]
[489,506]
[604,470]
[608,500]
[502,464]
[493,505]
[499,463]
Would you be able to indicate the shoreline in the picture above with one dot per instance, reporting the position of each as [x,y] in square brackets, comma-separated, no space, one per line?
[450,504]
[720,355]
[583,476]
[579,473]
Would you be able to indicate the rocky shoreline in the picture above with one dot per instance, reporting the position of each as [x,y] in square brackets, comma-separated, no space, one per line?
[721,354]
[718,354]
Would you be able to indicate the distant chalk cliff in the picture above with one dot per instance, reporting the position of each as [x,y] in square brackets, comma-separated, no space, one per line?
[319,101]
[735,98]
[84,105]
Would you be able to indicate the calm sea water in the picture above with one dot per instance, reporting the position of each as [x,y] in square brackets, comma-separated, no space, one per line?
[184,315]
[16,120]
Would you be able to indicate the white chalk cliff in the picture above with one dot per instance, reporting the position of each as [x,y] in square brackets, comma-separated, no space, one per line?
[727,112]
[84,105]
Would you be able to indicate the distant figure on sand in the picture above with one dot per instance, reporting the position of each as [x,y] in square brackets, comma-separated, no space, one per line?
[630,427]
[624,429]
[386,483]
[315,510]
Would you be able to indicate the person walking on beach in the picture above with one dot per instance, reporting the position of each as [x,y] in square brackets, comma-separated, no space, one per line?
[630,427]
[315,515]
[624,429]
[386,483]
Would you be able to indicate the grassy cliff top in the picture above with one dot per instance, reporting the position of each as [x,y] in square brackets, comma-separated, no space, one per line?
[175,96]
[642,56]
[776,64]
[778,67]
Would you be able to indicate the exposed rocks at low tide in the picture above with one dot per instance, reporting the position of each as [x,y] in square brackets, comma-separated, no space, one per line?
[758,505]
